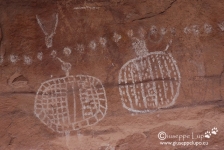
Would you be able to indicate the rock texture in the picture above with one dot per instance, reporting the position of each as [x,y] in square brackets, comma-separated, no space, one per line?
[42,40]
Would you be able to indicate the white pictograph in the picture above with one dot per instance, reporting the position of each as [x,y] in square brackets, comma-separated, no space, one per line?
[67,51]
[53,53]
[150,81]
[70,103]
[130,33]
[27,60]
[48,35]
[195,29]
[92,45]
[207,28]
[14,58]
[80,48]
[221,26]
[117,37]
[163,31]
[155,35]
[187,30]
[40,56]
[103,41]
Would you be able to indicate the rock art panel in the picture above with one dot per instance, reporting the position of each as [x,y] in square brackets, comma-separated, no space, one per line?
[57,100]
[48,35]
[150,81]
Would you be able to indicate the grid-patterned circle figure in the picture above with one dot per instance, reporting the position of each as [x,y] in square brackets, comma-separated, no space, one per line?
[71,103]
[149,82]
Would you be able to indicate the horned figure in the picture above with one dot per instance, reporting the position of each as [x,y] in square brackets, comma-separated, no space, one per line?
[150,81]
[70,103]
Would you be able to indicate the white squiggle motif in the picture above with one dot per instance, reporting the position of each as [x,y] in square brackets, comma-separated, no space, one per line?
[67,51]
[116,37]
[207,28]
[14,58]
[56,103]
[150,81]
[40,56]
[92,45]
[27,60]
[48,36]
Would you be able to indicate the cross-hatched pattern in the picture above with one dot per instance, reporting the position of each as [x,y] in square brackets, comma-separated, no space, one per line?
[149,82]
[51,103]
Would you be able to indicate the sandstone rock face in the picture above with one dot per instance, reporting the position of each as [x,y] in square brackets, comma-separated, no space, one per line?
[104,74]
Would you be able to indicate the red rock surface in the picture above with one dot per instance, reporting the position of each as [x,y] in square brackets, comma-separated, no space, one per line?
[98,33]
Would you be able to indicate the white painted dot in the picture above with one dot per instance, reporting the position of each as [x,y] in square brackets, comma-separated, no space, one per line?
[187,30]
[221,26]
[40,55]
[103,41]
[80,48]
[27,60]
[14,58]
[207,28]
[130,33]
[53,53]
[67,51]
[163,31]
[92,45]
[153,30]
